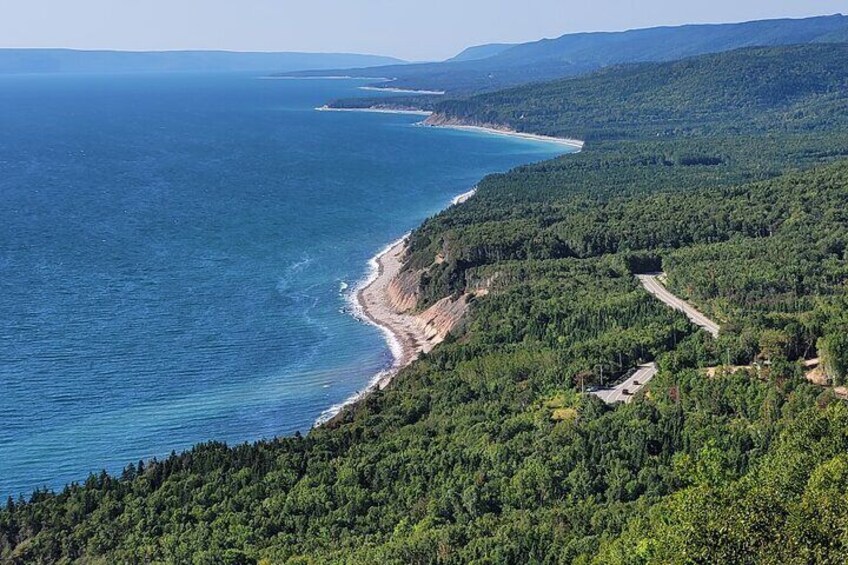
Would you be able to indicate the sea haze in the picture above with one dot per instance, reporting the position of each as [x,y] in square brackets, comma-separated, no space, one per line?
[174,251]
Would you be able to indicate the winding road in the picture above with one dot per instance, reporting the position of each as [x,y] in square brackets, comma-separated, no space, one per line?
[624,391]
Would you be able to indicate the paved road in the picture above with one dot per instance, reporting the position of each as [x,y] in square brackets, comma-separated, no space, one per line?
[655,287]
[625,391]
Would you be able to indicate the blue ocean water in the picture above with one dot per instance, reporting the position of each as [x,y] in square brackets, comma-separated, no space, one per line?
[174,251]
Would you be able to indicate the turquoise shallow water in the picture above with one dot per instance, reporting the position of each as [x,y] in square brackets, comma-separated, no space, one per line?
[173,254]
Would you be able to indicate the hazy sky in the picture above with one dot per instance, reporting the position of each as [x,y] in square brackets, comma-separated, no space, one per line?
[409,29]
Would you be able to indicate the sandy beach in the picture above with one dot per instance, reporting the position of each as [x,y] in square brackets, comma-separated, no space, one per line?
[326,77]
[404,332]
[371,304]
[405,335]
[574,143]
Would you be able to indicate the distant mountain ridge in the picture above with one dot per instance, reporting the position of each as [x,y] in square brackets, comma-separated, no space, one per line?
[581,53]
[479,52]
[82,61]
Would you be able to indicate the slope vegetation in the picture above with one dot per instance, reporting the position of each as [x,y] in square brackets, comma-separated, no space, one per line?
[750,90]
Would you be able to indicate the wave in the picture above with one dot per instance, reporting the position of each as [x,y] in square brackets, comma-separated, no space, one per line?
[354,307]
[464,197]
[335,409]
[291,272]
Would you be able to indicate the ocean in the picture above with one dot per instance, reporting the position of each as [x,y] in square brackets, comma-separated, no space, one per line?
[176,253]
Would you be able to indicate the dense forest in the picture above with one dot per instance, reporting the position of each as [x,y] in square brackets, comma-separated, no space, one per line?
[730,173]
[751,90]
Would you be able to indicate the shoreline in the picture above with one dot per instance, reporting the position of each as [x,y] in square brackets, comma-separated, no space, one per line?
[403,332]
[369,300]
[371,303]
[373,306]
[326,77]
[375,111]
[376,281]
[486,130]
[574,143]
[402,90]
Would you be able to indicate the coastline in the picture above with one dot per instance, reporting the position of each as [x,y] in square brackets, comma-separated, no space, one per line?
[325,77]
[375,111]
[488,130]
[403,332]
[370,300]
[405,339]
[375,284]
[573,143]
[402,90]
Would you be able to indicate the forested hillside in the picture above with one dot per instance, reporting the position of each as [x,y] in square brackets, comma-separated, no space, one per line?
[748,91]
[581,53]
[485,451]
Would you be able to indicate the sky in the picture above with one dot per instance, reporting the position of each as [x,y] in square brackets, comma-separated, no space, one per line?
[413,30]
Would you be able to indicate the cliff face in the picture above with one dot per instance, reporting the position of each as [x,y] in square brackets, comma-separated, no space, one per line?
[437,119]
[440,319]
[443,317]
[403,291]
